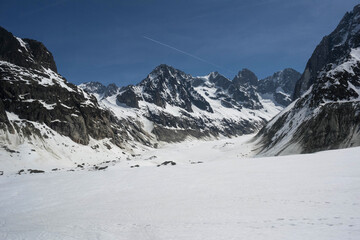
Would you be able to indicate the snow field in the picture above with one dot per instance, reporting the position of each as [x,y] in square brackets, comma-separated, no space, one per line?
[313,196]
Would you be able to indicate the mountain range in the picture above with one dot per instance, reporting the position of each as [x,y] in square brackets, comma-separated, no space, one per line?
[174,105]
[45,116]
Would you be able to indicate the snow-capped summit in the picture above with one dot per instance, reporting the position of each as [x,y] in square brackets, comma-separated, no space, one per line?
[167,85]
[164,86]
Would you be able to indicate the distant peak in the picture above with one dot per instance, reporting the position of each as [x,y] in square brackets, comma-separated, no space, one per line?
[289,70]
[245,71]
[166,71]
[245,76]
[164,67]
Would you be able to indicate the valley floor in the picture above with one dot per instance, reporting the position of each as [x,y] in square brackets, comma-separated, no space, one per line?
[215,191]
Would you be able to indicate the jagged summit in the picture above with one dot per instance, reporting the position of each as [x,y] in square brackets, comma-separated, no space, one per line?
[280,86]
[93,87]
[99,89]
[219,80]
[245,77]
[284,77]
[164,86]
[165,67]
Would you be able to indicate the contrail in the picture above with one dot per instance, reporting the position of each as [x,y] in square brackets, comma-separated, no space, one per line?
[188,54]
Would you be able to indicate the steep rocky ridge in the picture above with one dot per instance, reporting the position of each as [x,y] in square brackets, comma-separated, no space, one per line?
[327,115]
[331,49]
[32,90]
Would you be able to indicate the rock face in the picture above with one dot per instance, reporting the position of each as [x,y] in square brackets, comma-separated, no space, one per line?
[245,78]
[33,92]
[129,97]
[327,115]
[25,52]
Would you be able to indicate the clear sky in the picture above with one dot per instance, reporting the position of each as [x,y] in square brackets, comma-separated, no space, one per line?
[122,41]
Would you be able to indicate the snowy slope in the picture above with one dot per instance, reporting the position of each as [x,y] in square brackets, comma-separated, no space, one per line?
[21,152]
[313,196]
[44,118]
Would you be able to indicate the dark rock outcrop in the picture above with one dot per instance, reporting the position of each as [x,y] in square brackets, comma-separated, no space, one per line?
[219,80]
[128,97]
[25,52]
[245,78]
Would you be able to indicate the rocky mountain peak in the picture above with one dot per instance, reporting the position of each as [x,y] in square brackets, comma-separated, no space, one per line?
[219,80]
[280,86]
[164,86]
[111,89]
[164,74]
[25,52]
[93,87]
[99,89]
[245,77]
[285,79]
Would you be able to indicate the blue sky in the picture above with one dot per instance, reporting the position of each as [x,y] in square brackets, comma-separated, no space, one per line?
[122,41]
